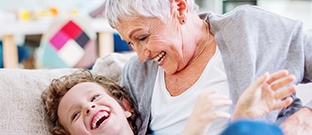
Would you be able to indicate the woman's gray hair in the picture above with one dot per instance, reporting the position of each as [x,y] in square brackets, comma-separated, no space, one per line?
[126,10]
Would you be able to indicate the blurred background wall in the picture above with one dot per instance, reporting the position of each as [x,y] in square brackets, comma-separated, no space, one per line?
[11,10]
[295,9]
[84,6]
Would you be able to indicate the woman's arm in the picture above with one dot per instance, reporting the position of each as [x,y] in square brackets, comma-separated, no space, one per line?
[300,122]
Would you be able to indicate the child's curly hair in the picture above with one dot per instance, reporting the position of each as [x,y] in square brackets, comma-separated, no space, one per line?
[58,88]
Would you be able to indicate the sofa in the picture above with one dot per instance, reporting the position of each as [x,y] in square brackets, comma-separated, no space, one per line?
[22,111]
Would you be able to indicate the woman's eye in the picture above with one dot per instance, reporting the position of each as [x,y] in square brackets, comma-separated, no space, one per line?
[94,97]
[143,38]
[75,116]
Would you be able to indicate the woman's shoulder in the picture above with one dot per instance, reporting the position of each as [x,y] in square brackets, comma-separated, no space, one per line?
[236,17]
[249,17]
[255,13]
[248,9]
[249,13]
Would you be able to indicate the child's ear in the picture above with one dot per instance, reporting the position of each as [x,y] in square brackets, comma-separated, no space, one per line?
[128,114]
[127,108]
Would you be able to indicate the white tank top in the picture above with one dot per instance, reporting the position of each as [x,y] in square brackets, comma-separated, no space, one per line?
[170,114]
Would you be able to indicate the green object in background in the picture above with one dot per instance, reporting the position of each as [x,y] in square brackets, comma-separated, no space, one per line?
[229,5]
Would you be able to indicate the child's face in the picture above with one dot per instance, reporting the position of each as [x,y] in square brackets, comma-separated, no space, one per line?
[88,109]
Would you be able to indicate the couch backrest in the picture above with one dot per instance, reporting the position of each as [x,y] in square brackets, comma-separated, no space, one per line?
[21,107]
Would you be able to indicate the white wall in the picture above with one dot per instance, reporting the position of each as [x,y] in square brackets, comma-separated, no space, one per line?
[299,10]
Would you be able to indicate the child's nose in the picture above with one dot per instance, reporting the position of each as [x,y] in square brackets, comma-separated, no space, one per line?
[87,111]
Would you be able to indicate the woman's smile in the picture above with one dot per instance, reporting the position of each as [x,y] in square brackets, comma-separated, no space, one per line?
[160,57]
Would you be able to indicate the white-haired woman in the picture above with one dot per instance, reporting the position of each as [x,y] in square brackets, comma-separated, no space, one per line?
[181,54]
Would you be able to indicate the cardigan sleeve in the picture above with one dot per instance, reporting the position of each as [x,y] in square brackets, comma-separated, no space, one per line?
[308,61]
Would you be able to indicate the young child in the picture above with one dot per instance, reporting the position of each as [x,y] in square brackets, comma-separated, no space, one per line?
[81,103]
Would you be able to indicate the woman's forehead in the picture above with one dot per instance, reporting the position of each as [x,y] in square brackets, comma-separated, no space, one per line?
[138,22]
[127,28]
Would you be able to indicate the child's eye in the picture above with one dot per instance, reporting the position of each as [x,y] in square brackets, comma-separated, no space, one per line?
[94,97]
[130,44]
[75,116]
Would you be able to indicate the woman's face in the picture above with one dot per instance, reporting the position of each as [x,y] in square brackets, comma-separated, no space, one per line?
[88,109]
[158,41]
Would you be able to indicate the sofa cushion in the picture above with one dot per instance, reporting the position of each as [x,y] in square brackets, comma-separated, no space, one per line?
[111,65]
[22,111]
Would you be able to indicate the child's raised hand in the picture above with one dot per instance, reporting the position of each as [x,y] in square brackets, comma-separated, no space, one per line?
[204,112]
[266,94]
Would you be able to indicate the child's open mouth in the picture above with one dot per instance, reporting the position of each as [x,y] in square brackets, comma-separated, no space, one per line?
[99,118]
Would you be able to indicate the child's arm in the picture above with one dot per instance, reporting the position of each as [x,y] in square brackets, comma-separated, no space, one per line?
[266,94]
[262,97]
[204,112]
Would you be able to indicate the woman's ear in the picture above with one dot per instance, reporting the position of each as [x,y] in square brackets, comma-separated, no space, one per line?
[181,7]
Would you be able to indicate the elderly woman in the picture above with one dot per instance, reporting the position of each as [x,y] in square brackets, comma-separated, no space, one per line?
[180,54]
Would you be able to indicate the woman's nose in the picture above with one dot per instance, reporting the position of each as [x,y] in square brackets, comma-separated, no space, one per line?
[143,55]
[88,109]
[142,51]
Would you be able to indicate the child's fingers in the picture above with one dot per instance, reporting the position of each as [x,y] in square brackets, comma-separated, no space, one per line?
[283,82]
[221,102]
[260,80]
[220,114]
[285,93]
[208,101]
[277,75]
[214,115]
[283,103]
[213,101]
[211,95]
